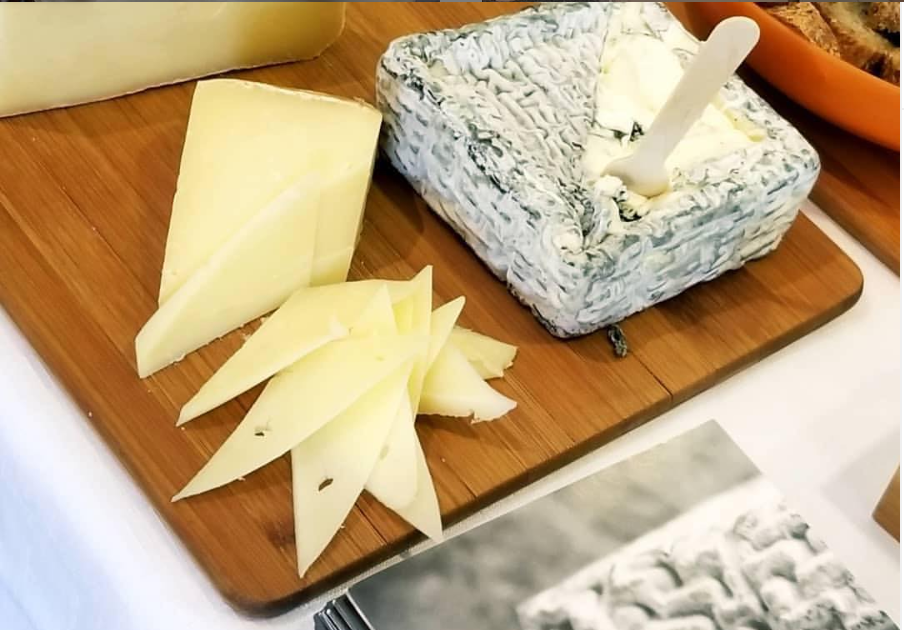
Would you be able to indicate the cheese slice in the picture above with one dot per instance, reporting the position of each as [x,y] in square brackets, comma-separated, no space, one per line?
[311,317]
[262,356]
[421,298]
[442,325]
[378,317]
[284,341]
[246,142]
[423,512]
[302,399]
[253,273]
[393,480]
[489,356]
[454,388]
[330,467]
[404,314]
[58,54]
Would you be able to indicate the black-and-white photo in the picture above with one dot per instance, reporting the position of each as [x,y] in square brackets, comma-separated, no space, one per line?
[686,536]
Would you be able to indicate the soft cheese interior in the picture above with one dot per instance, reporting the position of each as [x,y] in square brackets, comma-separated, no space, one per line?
[638,73]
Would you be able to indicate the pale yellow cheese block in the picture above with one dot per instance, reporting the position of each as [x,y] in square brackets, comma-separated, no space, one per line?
[310,317]
[250,275]
[246,143]
[300,400]
[65,53]
[329,468]
[454,388]
[490,357]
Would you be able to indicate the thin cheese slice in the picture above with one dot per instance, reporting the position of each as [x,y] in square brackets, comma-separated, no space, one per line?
[302,399]
[423,512]
[310,317]
[454,388]
[489,356]
[58,54]
[378,318]
[252,274]
[245,143]
[442,325]
[282,341]
[421,314]
[330,467]
[393,480]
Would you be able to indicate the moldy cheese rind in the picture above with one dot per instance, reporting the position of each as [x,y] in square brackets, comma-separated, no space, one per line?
[491,124]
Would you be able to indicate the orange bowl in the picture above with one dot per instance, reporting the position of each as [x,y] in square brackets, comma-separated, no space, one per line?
[827,86]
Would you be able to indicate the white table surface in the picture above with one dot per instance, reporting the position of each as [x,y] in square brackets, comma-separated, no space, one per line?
[81,548]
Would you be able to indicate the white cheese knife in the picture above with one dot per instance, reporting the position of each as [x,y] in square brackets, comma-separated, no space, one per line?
[719,56]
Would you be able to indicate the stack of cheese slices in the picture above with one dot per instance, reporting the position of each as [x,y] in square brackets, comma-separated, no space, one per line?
[350,364]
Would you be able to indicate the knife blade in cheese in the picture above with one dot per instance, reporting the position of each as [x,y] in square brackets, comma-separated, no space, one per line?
[300,400]
[59,54]
[329,468]
[245,143]
[252,274]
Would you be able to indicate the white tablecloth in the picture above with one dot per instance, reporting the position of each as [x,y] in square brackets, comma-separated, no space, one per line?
[81,548]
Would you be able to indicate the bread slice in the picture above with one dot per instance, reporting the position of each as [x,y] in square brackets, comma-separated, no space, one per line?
[891,67]
[859,44]
[806,20]
[884,16]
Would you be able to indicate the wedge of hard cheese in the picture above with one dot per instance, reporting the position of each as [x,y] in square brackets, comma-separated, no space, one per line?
[247,142]
[270,198]
[62,53]
[251,274]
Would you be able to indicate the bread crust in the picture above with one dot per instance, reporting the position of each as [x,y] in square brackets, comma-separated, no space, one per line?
[859,44]
[891,67]
[806,20]
[884,16]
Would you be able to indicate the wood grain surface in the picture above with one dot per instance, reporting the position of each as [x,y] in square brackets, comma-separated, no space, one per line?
[888,510]
[85,196]
[860,183]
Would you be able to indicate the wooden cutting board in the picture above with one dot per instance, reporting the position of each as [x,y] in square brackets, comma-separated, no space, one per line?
[888,510]
[85,197]
[860,183]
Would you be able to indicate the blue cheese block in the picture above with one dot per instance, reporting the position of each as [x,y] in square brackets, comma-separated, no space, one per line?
[505,128]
